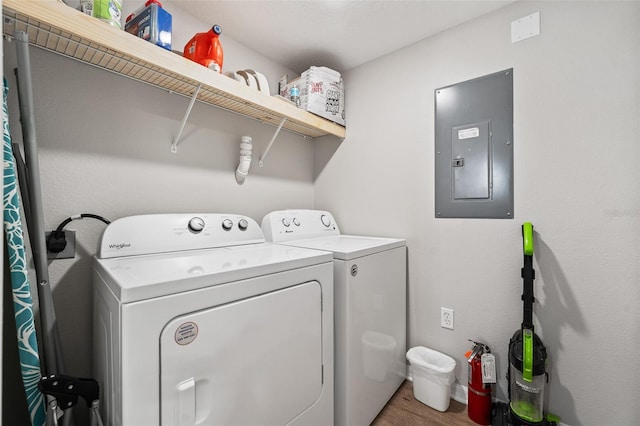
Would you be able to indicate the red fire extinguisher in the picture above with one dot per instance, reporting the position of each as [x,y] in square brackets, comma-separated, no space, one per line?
[480,379]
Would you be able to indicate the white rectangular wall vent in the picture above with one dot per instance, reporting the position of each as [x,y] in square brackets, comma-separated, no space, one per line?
[526,27]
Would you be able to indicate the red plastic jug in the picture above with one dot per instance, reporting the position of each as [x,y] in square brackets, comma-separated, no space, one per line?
[205,49]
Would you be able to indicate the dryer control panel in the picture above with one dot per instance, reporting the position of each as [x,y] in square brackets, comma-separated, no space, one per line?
[163,233]
[286,225]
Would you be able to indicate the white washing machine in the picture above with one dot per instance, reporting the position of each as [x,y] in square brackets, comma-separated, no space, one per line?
[198,321]
[370,309]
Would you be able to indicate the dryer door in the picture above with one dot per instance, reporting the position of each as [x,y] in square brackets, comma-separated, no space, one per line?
[253,361]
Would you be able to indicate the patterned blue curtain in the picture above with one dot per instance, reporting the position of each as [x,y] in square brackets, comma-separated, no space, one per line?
[22,302]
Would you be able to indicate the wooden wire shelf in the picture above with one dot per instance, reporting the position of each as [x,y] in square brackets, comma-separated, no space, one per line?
[53,26]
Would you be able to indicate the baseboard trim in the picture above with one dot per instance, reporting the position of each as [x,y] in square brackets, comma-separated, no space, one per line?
[459,393]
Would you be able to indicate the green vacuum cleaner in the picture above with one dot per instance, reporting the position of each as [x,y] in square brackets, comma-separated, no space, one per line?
[527,375]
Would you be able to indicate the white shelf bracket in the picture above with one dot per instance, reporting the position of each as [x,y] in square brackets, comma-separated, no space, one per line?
[273,139]
[174,144]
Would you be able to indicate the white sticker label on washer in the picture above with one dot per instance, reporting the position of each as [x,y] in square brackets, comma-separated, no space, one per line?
[186,333]
[472,132]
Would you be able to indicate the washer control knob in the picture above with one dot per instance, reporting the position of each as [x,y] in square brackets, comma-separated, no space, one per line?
[227,224]
[325,220]
[286,222]
[296,221]
[243,224]
[196,225]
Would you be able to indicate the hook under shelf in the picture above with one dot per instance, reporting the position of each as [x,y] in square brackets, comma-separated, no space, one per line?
[174,144]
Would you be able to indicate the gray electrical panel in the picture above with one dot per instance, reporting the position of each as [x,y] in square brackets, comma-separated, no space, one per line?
[474,148]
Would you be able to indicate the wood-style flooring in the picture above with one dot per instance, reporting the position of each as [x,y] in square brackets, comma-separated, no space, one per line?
[404,410]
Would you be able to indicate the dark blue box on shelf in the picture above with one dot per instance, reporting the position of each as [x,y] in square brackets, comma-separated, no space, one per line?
[151,23]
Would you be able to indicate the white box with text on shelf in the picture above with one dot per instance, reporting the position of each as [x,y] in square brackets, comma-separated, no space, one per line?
[321,93]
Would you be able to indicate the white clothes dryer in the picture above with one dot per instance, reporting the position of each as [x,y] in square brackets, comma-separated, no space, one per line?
[198,321]
[370,309]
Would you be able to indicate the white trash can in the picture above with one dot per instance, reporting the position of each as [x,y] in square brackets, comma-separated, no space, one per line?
[432,376]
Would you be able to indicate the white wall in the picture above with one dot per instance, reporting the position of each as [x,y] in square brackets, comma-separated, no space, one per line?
[576,101]
[104,148]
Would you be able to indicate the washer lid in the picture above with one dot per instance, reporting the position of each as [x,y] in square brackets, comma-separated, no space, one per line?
[135,278]
[348,247]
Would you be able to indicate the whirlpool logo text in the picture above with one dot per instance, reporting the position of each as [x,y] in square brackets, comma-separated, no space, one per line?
[119,246]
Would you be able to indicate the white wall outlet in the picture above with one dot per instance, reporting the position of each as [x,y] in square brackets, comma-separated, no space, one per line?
[446,318]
